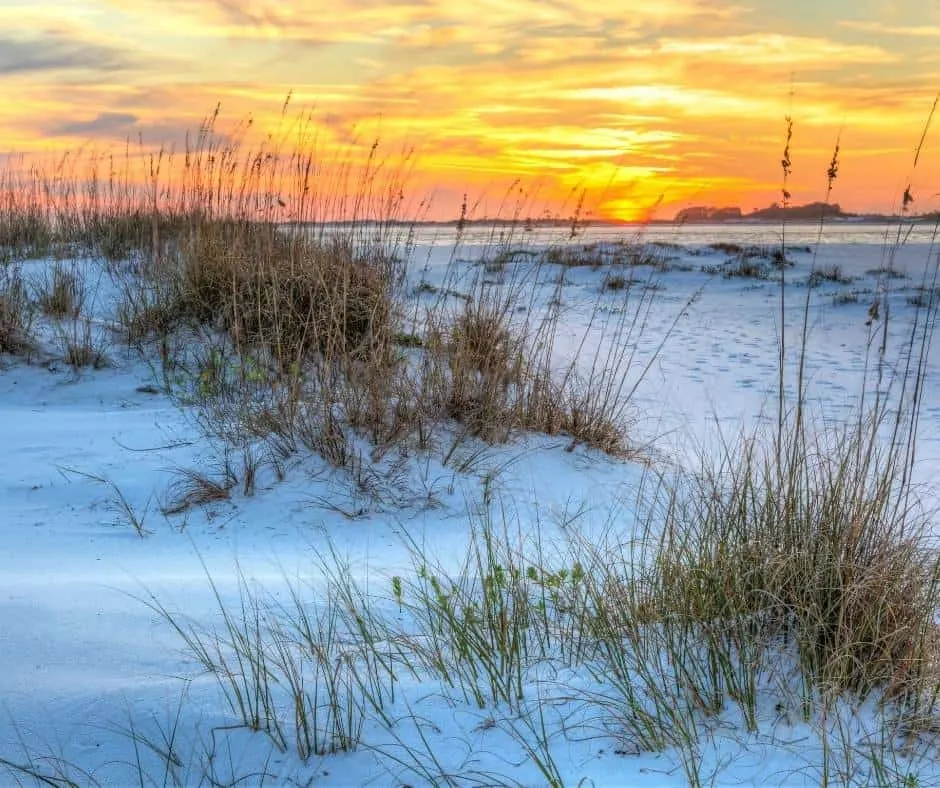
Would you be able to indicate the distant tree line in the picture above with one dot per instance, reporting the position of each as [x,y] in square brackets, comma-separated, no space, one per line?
[704,213]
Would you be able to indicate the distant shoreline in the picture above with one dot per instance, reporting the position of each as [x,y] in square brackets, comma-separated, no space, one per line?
[559,225]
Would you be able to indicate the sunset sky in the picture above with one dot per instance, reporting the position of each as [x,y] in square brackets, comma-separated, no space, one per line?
[668,102]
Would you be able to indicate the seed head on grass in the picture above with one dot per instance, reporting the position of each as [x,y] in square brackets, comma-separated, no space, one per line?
[833,171]
[786,164]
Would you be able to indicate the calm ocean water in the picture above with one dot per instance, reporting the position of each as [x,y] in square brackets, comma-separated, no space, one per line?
[845,233]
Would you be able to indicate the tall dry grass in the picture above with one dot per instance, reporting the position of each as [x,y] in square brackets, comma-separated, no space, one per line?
[266,280]
[272,288]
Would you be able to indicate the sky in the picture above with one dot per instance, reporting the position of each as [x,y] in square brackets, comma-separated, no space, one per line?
[643,107]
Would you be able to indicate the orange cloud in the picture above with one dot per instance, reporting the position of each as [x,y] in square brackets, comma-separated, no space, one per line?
[632,100]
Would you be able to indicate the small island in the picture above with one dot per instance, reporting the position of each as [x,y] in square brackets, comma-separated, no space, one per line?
[700,214]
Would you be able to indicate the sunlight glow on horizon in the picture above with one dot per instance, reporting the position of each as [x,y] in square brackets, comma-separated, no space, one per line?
[645,106]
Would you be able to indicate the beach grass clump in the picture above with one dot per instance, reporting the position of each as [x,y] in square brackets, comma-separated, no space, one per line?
[506,256]
[754,262]
[480,626]
[585,416]
[745,267]
[61,294]
[577,256]
[476,359]
[194,488]
[16,311]
[291,294]
[24,234]
[307,672]
[129,229]
[114,232]
[489,359]
[148,310]
[829,274]
[616,283]
[637,254]
[814,543]
[842,299]
[632,253]
[484,356]
[800,572]
[27,229]
[923,297]
[80,343]
[727,247]
[887,271]
[308,328]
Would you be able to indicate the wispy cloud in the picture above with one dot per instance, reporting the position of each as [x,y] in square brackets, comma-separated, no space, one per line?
[882,29]
[105,124]
[56,52]
[759,49]
[421,22]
